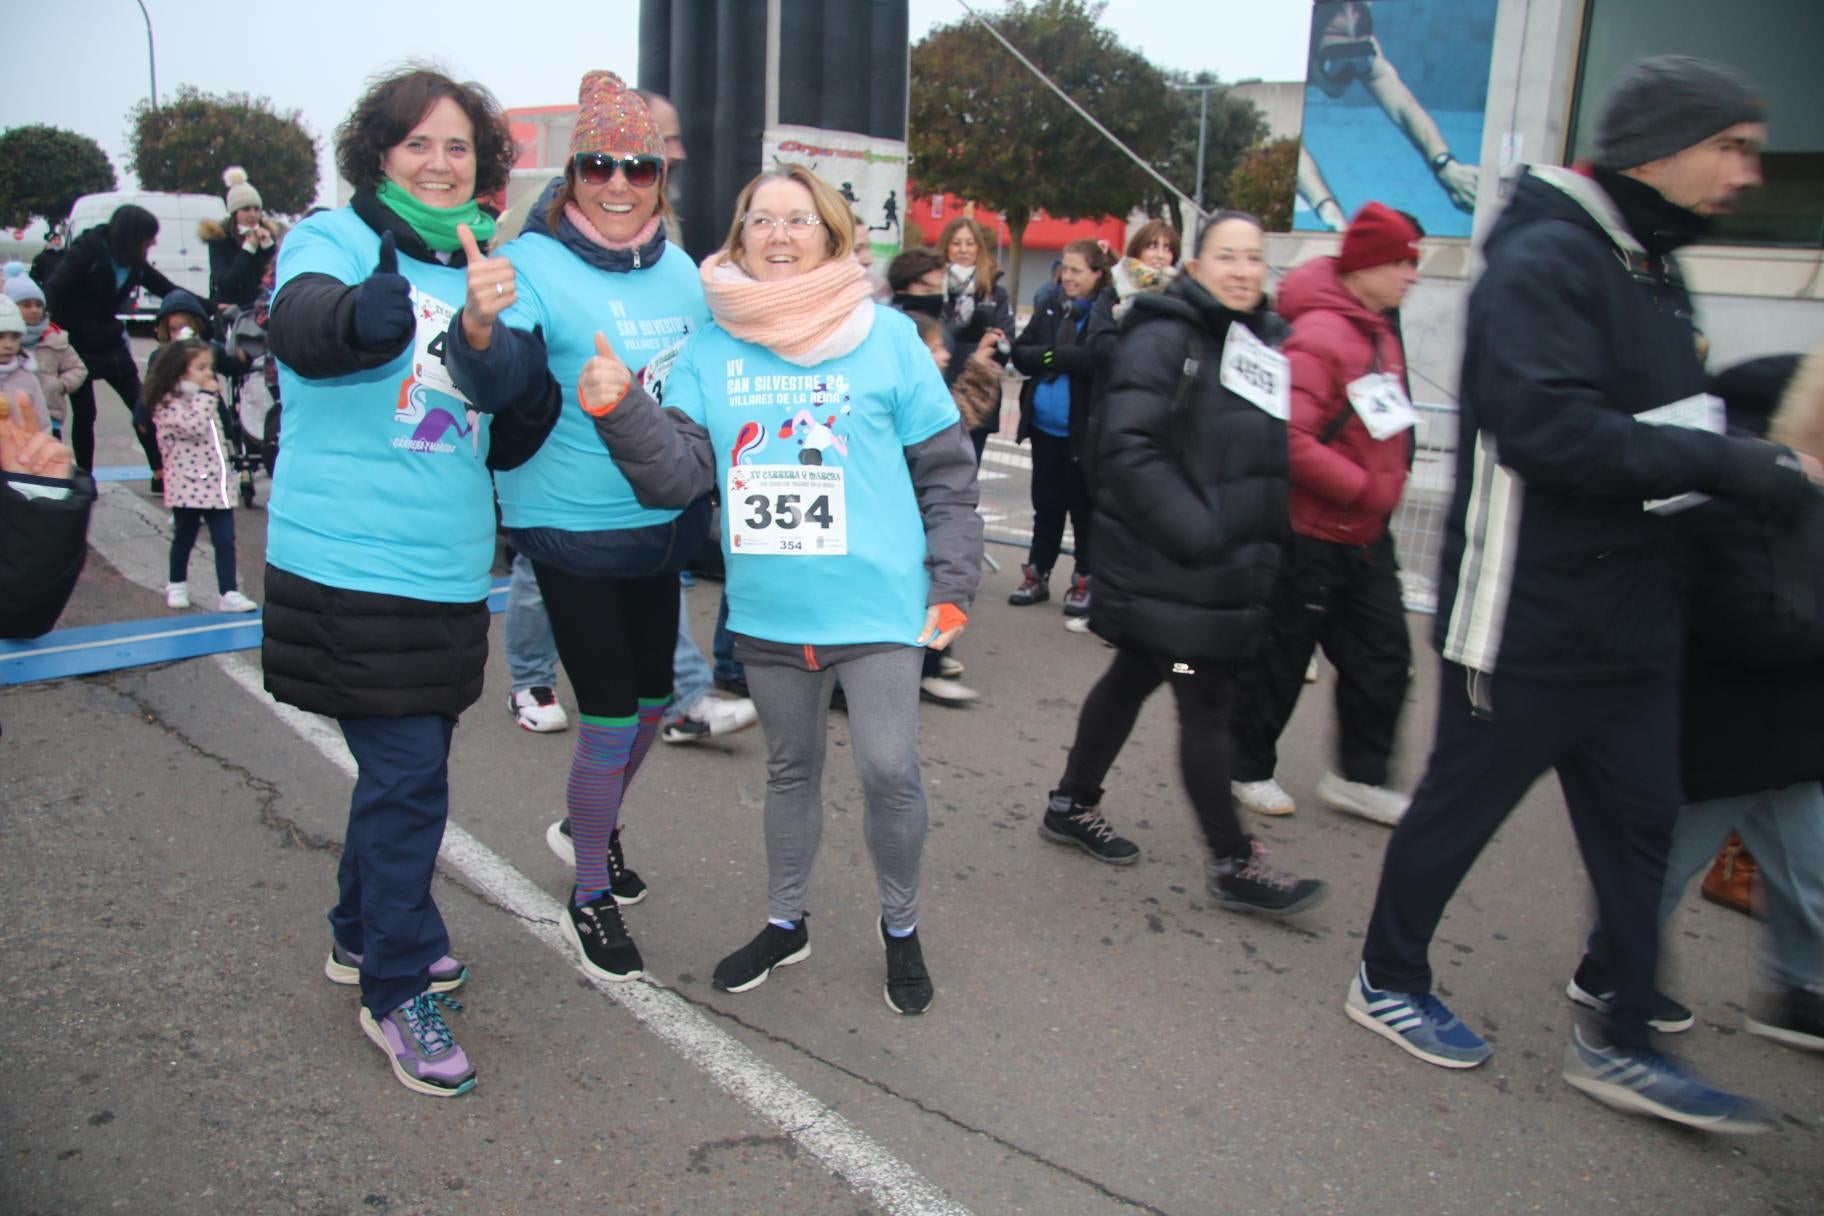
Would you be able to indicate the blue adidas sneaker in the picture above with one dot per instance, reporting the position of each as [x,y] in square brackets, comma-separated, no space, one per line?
[1643,1081]
[1418,1022]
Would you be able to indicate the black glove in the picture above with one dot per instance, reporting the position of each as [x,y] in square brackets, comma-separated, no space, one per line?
[383,304]
[1764,473]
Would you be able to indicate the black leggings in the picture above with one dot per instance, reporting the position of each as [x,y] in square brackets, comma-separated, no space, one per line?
[1058,489]
[115,366]
[1205,690]
[221,537]
[615,636]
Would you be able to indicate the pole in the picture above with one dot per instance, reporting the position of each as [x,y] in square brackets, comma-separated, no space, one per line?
[151,59]
[1203,126]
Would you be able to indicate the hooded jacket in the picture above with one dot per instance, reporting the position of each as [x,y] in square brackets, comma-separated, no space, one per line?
[1343,491]
[1190,485]
[1551,568]
[61,371]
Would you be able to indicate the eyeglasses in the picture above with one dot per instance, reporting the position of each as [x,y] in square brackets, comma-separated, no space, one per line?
[597,169]
[799,223]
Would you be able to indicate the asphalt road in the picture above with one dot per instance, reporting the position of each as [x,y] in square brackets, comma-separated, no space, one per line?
[1103,1041]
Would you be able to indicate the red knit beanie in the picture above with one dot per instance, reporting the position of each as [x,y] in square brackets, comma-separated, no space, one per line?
[1378,235]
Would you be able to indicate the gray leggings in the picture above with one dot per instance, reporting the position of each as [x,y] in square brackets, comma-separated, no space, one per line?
[794,707]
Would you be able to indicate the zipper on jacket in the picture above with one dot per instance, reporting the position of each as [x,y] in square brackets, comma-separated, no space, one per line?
[636,259]
[810,657]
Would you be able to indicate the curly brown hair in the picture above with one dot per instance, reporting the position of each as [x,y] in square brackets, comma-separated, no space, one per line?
[394,104]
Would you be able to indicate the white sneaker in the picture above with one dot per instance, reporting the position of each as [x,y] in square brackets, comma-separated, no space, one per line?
[537,709]
[1262,797]
[177,595]
[946,692]
[1371,802]
[949,667]
[1077,624]
[710,717]
[234,601]
[1311,671]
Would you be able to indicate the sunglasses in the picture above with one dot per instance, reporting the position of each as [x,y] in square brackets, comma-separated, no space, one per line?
[597,169]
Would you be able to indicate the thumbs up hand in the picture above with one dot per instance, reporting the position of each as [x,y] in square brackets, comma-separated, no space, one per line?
[26,449]
[491,291]
[605,380]
[383,303]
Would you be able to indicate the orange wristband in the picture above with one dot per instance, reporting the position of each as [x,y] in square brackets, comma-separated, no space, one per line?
[596,411]
[949,617]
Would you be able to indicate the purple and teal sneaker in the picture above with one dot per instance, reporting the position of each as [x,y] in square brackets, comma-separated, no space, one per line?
[421,1048]
[344,967]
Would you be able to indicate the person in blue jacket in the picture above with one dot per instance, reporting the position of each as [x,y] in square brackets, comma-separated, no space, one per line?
[849,528]
[380,533]
[590,273]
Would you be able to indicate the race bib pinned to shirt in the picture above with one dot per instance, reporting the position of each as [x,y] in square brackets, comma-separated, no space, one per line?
[1380,400]
[798,510]
[432,331]
[1256,372]
[652,376]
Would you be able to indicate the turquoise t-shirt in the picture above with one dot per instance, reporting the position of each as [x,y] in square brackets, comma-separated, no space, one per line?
[859,412]
[572,483]
[384,484]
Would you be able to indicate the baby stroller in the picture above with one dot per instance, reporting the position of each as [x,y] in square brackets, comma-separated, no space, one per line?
[245,400]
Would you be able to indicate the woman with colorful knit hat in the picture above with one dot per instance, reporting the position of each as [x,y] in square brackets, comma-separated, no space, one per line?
[849,528]
[591,275]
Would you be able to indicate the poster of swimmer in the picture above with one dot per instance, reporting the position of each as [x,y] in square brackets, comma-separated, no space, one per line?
[1394,94]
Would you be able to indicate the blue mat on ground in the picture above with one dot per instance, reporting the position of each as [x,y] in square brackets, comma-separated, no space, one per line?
[122,472]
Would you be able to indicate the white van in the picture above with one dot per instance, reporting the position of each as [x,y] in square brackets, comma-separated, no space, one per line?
[179,253]
[23,244]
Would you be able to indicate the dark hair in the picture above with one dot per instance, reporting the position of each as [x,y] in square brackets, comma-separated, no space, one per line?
[129,228]
[911,266]
[394,104]
[929,328]
[1223,217]
[168,367]
[1151,233]
[1097,254]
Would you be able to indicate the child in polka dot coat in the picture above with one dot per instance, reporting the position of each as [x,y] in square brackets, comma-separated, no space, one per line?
[200,483]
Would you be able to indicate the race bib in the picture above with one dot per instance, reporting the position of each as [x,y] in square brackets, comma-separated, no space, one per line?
[1256,372]
[652,376]
[796,509]
[1702,412]
[433,330]
[1381,402]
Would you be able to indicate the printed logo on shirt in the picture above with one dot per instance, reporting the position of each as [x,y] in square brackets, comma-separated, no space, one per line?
[634,338]
[1183,669]
[810,391]
[427,412]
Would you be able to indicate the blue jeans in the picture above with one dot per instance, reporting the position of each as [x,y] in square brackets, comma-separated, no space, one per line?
[531,650]
[690,678]
[723,645]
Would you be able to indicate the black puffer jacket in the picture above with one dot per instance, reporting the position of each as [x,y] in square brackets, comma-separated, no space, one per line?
[84,297]
[1191,499]
[234,273]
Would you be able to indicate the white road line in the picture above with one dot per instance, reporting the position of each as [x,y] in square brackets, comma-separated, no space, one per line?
[840,1145]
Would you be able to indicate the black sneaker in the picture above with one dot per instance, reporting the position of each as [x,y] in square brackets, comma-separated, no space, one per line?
[1033,589]
[1793,1016]
[1592,990]
[1067,823]
[627,885]
[749,966]
[908,988]
[1248,884]
[600,937]
[1076,597]
[738,687]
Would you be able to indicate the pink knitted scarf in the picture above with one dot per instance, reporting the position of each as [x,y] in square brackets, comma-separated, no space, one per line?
[580,221]
[805,320]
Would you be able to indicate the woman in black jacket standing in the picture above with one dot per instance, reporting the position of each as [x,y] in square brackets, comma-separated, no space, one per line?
[241,244]
[1191,513]
[974,303]
[92,285]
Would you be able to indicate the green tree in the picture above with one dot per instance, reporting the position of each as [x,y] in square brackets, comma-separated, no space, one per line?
[45,169]
[1235,125]
[984,128]
[1265,181]
[185,145]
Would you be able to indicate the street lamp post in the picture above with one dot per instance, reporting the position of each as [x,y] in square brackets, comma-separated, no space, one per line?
[1203,126]
[151,59]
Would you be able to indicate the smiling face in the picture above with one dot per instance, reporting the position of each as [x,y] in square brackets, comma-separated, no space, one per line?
[1158,255]
[780,251]
[618,209]
[1232,264]
[435,162]
[963,247]
[1076,278]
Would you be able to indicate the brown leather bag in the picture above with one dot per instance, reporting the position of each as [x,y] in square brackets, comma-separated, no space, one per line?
[1734,881]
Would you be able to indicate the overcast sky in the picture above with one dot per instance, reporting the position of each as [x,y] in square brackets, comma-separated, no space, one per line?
[81,64]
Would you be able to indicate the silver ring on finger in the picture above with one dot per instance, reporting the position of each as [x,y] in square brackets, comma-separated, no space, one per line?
[499,290]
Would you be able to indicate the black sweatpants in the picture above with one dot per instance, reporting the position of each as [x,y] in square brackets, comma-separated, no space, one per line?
[114,365]
[1205,690]
[1058,489]
[1345,598]
[1614,743]
[614,635]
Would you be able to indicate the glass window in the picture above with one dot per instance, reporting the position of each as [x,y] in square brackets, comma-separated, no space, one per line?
[1779,43]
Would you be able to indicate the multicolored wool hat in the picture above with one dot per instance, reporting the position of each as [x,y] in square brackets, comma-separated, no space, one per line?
[612,118]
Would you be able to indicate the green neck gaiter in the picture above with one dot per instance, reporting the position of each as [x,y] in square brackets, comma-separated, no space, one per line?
[436,226]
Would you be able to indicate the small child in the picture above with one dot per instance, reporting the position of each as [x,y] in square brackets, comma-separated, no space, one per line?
[18,370]
[199,481]
[60,369]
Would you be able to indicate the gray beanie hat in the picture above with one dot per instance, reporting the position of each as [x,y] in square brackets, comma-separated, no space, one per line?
[1660,106]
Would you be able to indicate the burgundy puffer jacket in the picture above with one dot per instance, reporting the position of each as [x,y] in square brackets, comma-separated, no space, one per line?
[1343,491]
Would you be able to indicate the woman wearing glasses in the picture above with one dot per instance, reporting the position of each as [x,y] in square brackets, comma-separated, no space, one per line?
[849,526]
[592,275]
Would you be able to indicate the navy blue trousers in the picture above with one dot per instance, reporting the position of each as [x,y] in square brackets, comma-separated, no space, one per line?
[395,827]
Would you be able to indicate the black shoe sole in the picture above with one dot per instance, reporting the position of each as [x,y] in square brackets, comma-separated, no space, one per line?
[1317,896]
[589,966]
[796,956]
[1057,837]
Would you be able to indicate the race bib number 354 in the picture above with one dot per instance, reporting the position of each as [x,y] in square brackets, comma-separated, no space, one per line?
[786,509]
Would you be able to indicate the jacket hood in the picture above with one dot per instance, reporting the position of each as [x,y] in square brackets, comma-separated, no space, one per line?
[1317,286]
[1189,301]
[1799,421]
[182,301]
[1549,192]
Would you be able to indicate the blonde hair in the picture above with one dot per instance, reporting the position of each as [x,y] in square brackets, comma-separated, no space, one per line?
[985,265]
[833,209]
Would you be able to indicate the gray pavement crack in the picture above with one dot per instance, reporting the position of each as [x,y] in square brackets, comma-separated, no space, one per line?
[1037,1158]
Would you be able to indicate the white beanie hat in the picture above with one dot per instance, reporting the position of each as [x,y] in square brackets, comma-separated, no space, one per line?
[240,191]
[10,320]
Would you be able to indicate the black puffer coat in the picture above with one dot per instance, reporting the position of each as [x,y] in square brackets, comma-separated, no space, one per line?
[1191,493]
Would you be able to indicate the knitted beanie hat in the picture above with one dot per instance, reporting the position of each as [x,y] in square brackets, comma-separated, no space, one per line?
[1660,106]
[20,285]
[240,191]
[10,320]
[1378,235]
[612,118]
